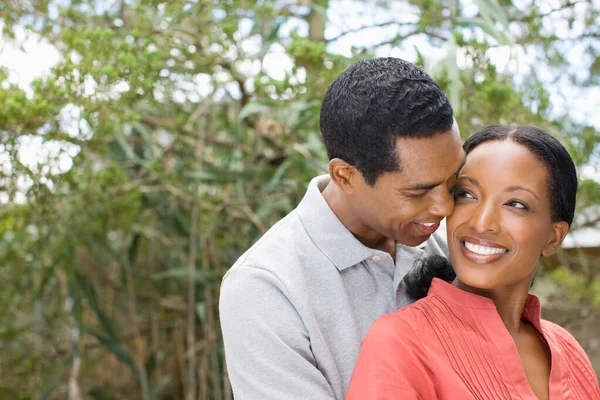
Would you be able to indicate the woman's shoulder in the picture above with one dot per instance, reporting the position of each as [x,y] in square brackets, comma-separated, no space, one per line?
[407,321]
[393,361]
[397,337]
[424,309]
[560,335]
[576,361]
[396,323]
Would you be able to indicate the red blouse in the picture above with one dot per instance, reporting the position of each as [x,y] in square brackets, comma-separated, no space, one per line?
[453,345]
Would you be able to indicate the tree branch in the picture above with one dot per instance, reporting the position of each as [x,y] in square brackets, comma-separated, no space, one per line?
[587,224]
[568,4]
[360,29]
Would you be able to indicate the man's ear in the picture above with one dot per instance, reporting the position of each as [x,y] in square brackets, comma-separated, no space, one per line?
[343,175]
[559,231]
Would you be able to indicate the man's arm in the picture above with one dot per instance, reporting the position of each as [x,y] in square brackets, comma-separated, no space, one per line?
[267,347]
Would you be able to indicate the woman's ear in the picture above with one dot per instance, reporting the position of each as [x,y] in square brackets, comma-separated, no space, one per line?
[559,231]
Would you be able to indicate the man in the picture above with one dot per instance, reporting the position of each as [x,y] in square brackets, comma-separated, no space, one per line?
[295,307]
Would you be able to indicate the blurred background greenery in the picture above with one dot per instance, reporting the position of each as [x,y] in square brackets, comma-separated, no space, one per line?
[165,137]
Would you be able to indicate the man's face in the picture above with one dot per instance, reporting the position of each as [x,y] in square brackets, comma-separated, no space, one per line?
[408,206]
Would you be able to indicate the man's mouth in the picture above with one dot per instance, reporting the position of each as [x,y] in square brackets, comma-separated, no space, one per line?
[428,227]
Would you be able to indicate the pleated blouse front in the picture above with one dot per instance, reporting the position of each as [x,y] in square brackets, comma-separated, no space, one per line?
[453,345]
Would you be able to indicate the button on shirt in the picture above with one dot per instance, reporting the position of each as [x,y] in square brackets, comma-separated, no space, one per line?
[295,307]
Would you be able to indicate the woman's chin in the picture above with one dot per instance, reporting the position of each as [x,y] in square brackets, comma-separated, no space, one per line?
[476,282]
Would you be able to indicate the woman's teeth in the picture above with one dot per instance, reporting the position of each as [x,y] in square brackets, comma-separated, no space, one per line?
[484,250]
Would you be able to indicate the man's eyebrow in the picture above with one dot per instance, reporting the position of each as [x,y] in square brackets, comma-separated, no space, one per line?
[429,186]
[423,186]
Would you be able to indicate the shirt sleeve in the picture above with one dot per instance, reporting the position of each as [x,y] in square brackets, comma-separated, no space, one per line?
[267,346]
[392,364]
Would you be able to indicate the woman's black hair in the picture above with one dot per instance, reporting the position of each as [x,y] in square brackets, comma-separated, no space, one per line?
[562,190]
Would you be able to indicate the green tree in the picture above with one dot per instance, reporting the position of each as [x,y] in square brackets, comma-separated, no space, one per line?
[189,147]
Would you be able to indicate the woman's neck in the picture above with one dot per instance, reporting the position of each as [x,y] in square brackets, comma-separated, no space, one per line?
[509,302]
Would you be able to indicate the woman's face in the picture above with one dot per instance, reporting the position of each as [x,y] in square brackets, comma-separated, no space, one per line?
[502,220]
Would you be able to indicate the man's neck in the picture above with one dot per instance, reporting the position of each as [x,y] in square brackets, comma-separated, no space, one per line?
[373,240]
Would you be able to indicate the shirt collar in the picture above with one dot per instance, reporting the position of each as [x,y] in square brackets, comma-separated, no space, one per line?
[330,235]
[452,294]
[327,231]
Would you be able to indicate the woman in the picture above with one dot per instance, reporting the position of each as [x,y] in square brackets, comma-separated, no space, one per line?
[481,336]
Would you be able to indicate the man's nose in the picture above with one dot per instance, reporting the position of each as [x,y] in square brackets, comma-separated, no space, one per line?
[443,204]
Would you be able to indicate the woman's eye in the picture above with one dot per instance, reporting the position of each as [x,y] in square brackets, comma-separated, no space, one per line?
[518,204]
[460,193]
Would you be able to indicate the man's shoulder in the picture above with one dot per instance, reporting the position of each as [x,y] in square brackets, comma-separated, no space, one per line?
[276,249]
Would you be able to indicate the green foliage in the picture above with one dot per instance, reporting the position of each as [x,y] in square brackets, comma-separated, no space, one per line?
[187,149]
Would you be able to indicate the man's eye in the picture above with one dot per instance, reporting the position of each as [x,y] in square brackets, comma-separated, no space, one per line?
[416,195]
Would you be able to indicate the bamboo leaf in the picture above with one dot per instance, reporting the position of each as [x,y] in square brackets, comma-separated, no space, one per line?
[222,175]
[251,109]
[52,385]
[488,28]
[201,311]
[490,9]
[270,207]
[276,179]
[128,149]
[181,273]
[98,394]
[157,387]
[114,346]
[149,140]
[90,295]
[454,77]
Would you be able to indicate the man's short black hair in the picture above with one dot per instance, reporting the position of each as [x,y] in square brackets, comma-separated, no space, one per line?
[373,103]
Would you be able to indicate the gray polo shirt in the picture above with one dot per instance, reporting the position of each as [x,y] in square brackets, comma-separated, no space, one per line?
[295,307]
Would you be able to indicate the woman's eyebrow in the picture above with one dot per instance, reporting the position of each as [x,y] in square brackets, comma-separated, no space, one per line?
[472,180]
[516,187]
[508,189]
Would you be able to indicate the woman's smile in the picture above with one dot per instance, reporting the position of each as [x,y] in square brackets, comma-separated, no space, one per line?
[481,252]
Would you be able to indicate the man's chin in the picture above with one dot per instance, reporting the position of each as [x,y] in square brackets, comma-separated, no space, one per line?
[413,241]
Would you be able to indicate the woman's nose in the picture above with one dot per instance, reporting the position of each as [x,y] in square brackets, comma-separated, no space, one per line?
[485,219]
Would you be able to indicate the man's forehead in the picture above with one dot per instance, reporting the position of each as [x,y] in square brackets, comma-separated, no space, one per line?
[428,168]
[428,158]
